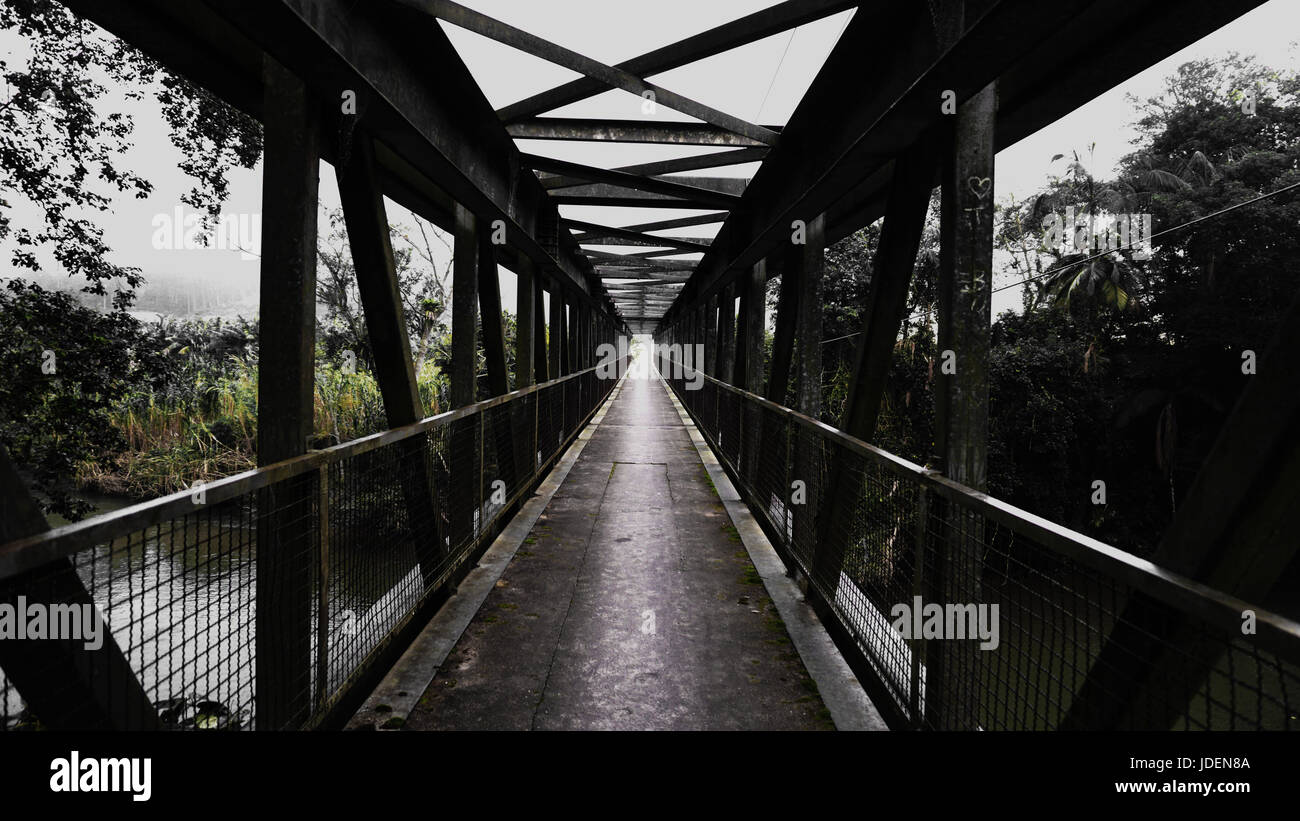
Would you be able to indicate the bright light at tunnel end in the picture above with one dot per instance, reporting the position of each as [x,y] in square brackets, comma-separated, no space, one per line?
[675,361]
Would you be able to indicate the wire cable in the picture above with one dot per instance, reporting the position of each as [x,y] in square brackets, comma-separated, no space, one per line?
[1100,254]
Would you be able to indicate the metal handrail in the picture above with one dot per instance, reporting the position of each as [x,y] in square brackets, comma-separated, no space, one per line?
[1275,631]
[33,551]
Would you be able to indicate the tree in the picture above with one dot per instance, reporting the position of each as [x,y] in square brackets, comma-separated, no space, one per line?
[422,281]
[1132,386]
[60,142]
[68,365]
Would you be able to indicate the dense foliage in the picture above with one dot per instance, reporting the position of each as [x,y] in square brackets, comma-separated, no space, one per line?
[61,141]
[1118,369]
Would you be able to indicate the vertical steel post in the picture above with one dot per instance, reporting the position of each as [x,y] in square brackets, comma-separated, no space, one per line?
[287,370]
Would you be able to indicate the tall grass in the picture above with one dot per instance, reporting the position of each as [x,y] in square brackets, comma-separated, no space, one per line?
[205,426]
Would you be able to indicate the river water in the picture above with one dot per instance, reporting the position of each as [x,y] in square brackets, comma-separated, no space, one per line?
[180,604]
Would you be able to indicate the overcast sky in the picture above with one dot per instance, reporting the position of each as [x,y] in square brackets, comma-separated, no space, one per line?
[761,82]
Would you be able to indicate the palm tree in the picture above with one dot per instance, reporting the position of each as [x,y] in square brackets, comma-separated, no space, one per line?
[1113,279]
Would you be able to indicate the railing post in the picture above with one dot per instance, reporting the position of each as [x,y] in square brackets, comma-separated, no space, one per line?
[917,644]
[481,425]
[787,517]
[323,589]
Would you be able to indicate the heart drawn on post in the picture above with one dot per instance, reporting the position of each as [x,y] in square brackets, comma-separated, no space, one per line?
[980,186]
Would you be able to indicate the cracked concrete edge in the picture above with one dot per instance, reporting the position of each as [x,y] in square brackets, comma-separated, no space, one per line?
[404,685]
[840,690]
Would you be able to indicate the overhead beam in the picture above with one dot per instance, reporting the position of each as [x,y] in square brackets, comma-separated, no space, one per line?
[636,277]
[827,148]
[610,76]
[627,131]
[716,159]
[748,29]
[662,253]
[1062,73]
[676,222]
[606,194]
[607,231]
[639,240]
[605,259]
[682,189]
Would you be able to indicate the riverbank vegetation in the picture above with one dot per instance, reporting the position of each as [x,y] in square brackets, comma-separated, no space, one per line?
[141,409]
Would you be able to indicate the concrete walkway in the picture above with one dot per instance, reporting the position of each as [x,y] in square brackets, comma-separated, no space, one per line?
[632,604]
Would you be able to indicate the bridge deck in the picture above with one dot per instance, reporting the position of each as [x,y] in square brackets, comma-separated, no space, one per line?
[632,604]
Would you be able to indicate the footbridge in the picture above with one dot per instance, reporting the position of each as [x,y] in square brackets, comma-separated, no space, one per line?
[644,521]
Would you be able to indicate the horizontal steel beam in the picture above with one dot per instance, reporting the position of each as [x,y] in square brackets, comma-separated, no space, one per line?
[642,240]
[680,187]
[714,159]
[628,131]
[604,194]
[606,259]
[606,231]
[677,222]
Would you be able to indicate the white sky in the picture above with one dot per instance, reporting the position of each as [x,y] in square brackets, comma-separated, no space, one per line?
[760,82]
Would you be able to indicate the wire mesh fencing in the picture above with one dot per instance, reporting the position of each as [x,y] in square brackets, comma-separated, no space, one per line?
[964,612]
[260,600]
